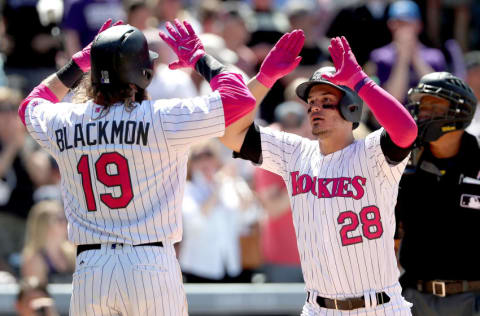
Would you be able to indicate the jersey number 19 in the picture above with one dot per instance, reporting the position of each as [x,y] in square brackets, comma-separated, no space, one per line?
[119,179]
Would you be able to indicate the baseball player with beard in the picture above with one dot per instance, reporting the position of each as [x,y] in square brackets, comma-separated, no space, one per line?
[123,160]
[342,191]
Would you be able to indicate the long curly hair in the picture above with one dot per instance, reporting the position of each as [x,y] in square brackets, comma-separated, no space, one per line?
[108,95]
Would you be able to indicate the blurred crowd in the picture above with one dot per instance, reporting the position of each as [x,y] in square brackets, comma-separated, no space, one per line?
[237,220]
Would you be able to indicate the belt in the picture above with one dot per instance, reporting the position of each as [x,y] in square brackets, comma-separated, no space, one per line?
[443,288]
[349,303]
[82,248]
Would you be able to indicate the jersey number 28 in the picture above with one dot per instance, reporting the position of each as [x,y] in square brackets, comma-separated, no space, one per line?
[120,179]
[371,225]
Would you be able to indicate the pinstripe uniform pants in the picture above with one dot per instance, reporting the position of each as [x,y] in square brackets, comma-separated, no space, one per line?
[126,280]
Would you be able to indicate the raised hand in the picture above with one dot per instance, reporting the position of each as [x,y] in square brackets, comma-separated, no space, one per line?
[185,43]
[82,58]
[282,58]
[349,72]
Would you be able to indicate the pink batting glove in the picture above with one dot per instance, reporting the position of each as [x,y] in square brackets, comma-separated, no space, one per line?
[82,58]
[282,59]
[185,43]
[349,72]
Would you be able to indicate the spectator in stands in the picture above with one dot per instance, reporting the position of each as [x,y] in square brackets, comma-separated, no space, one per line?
[400,64]
[16,187]
[31,50]
[213,209]
[45,176]
[216,47]
[169,10]
[279,245]
[208,13]
[82,20]
[472,63]
[368,17]
[33,299]
[47,254]
[449,19]
[267,26]
[305,16]
[233,21]
[139,14]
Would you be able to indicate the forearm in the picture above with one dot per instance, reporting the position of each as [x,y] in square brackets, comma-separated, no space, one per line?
[235,132]
[259,91]
[281,60]
[237,100]
[390,113]
[51,89]
[56,86]
[387,110]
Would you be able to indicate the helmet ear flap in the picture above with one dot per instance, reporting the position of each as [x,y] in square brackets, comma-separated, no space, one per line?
[350,106]
[353,108]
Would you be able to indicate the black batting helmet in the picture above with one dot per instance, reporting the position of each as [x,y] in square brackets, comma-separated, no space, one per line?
[350,105]
[120,55]
[446,86]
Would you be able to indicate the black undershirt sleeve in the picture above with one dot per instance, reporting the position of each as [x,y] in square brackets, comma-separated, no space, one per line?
[70,74]
[209,67]
[392,152]
[252,146]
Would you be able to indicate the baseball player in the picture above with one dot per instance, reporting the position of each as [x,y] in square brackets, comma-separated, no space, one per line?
[342,191]
[123,161]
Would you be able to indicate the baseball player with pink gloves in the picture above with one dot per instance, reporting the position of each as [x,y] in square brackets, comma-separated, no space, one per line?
[342,191]
[123,158]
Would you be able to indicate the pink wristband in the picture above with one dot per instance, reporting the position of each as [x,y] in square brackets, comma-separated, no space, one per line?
[356,79]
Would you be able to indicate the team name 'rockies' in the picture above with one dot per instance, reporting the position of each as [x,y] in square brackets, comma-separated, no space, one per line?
[93,133]
[328,187]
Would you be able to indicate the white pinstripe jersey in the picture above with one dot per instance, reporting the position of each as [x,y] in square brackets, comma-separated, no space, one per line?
[343,211]
[123,174]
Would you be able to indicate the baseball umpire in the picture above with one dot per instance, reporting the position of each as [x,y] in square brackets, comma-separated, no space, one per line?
[439,201]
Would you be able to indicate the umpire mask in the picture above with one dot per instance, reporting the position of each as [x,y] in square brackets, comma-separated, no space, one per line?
[440,103]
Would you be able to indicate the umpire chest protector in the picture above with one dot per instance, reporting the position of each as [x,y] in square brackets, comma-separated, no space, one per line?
[120,55]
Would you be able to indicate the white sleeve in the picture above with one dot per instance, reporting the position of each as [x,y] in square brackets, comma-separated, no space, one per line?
[39,116]
[378,161]
[278,150]
[187,121]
